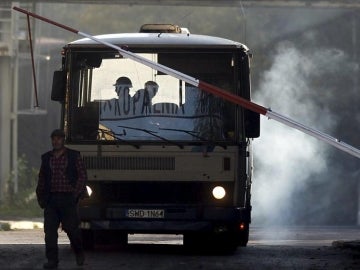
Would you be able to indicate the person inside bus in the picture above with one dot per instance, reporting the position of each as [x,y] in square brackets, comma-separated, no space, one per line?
[142,100]
[122,86]
[120,105]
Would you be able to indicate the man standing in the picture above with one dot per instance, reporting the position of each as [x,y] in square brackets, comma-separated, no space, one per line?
[61,183]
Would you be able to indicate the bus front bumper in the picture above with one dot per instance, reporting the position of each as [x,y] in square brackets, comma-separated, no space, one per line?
[170,219]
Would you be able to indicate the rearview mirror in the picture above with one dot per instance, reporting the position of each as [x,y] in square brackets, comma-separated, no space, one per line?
[58,86]
[252,124]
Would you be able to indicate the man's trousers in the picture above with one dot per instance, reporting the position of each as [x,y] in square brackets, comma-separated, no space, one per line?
[61,208]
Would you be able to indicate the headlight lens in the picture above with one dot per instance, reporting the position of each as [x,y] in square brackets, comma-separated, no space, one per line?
[89,190]
[219,192]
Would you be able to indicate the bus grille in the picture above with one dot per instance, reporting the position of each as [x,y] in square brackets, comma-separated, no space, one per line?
[129,163]
[169,192]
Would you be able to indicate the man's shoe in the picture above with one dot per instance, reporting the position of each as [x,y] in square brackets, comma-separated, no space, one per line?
[50,265]
[80,258]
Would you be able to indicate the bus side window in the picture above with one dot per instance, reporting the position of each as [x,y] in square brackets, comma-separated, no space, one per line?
[86,122]
[58,86]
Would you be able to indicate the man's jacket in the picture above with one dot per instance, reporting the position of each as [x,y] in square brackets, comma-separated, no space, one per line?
[45,176]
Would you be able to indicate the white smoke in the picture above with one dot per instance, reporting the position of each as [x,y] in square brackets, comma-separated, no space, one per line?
[286,159]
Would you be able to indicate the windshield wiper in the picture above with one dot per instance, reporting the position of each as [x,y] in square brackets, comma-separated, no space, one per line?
[190,132]
[116,136]
[153,133]
[193,133]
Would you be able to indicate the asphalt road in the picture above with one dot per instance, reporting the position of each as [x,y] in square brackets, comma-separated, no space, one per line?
[269,248]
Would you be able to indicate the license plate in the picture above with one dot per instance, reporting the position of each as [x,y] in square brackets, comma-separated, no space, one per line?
[145,213]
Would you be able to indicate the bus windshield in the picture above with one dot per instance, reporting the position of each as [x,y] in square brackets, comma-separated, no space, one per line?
[117,99]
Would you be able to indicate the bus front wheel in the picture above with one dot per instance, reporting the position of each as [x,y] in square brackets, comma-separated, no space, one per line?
[210,243]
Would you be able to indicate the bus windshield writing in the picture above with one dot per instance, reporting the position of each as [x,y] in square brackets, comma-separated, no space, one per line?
[123,100]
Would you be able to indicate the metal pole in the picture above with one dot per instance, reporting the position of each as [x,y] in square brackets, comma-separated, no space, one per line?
[211,89]
[14,111]
[32,61]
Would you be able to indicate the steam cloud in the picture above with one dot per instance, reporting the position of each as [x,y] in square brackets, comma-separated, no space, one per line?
[286,160]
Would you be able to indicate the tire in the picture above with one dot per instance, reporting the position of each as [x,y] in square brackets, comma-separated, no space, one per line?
[243,237]
[210,243]
[91,238]
[226,243]
[88,239]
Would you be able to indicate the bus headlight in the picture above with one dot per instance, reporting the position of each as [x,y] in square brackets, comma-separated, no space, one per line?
[89,190]
[219,192]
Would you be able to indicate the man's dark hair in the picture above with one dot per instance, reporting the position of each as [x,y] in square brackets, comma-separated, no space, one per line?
[58,133]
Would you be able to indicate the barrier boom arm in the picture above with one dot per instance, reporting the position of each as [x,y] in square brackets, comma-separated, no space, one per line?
[209,88]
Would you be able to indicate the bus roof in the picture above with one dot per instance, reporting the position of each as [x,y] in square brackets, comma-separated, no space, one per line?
[159,40]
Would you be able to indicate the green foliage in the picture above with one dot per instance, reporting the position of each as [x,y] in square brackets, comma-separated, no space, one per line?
[23,203]
[5,227]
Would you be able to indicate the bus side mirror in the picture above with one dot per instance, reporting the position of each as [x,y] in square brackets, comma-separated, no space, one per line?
[252,124]
[58,86]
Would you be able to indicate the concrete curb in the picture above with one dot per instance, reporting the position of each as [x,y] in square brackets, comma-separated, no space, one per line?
[355,244]
[8,225]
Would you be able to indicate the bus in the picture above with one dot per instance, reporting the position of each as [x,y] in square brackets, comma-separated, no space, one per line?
[163,156]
